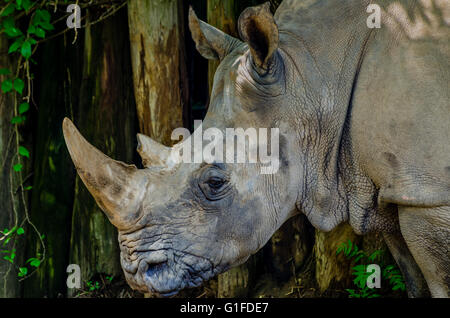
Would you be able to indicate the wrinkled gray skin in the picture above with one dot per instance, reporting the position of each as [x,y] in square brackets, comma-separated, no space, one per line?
[364,121]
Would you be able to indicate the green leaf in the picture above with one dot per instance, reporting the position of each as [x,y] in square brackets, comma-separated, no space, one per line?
[40,32]
[17,167]
[9,9]
[42,18]
[44,15]
[13,32]
[7,86]
[18,85]
[374,255]
[8,259]
[31,29]
[28,188]
[27,4]
[4,71]
[389,267]
[17,119]
[20,231]
[47,26]
[23,108]
[8,23]
[26,49]
[24,152]
[15,46]
[19,3]
[34,262]
[361,255]
[22,271]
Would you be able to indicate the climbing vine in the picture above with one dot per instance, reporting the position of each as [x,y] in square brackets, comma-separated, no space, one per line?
[26,24]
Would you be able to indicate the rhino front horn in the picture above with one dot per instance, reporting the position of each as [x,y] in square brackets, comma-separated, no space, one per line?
[118,188]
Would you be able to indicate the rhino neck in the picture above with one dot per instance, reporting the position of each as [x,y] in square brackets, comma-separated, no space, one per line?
[326,43]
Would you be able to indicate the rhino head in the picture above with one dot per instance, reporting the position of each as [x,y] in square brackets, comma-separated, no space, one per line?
[180,224]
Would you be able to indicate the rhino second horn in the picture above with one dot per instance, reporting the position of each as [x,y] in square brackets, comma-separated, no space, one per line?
[153,153]
[118,188]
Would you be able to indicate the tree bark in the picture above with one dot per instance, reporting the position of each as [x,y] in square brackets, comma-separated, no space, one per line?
[158,63]
[333,271]
[57,89]
[222,15]
[105,116]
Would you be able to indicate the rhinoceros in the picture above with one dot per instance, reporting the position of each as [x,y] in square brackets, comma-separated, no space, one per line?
[364,129]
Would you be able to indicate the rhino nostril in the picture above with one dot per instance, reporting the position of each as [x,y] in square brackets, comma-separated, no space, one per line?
[155,268]
[157,262]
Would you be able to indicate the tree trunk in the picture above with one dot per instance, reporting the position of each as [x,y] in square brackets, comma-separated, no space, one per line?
[222,15]
[57,89]
[105,116]
[158,63]
[333,271]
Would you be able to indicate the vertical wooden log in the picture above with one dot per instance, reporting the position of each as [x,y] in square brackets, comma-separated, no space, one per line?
[159,76]
[222,15]
[58,76]
[105,116]
[333,271]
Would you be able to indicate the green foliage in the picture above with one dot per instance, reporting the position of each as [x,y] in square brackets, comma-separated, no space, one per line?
[23,22]
[23,108]
[96,286]
[395,278]
[360,260]
[34,262]
[92,285]
[24,152]
[7,86]
[23,271]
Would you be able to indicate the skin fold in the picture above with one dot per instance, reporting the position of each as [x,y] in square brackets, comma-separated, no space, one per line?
[363,116]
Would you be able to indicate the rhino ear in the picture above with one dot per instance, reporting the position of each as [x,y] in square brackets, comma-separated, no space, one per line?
[210,42]
[258,29]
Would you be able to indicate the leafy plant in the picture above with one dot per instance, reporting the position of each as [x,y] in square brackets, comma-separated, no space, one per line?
[24,23]
[96,284]
[92,285]
[360,260]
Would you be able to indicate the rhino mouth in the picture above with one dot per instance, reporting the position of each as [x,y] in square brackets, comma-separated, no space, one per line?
[165,273]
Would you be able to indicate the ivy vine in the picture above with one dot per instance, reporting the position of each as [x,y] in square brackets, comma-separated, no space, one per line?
[22,43]
[26,24]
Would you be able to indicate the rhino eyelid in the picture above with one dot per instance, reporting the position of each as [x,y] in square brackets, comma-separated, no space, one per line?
[219,165]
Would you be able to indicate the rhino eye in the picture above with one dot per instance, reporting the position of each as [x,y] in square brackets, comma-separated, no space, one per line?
[215,183]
